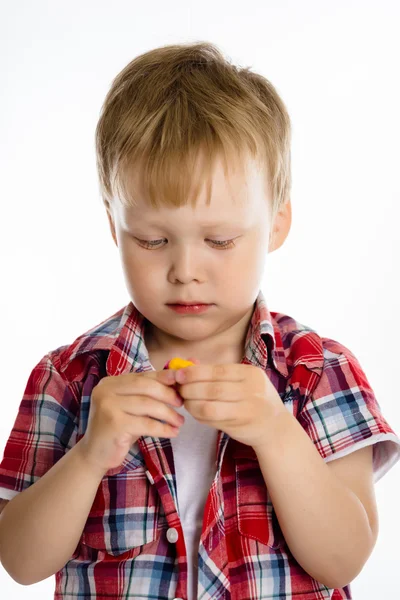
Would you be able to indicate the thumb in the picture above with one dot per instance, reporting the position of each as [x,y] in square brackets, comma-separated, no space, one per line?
[194,360]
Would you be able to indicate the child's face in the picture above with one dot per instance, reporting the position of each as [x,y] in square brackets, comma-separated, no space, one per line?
[184,264]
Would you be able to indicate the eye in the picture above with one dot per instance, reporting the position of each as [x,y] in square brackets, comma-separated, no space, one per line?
[151,244]
[223,244]
[156,243]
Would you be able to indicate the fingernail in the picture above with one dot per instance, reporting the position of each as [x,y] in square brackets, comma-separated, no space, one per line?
[170,376]
[180,376]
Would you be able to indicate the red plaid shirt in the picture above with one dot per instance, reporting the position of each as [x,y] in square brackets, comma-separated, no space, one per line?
[124,551]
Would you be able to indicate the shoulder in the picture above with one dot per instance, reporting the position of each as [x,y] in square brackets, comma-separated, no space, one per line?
[298,342]
[304,344]
[88,352]
[317,365]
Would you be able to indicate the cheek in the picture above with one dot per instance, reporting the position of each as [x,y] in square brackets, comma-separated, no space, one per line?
[138,269]
[131,254]
[135,268]
[257,252]
[242,277]
[247,260]
[143,278]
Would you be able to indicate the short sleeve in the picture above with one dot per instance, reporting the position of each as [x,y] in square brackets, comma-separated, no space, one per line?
[43,430]
[342,414]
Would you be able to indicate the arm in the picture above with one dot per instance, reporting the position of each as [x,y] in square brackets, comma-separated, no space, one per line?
[41,526]
[324,523]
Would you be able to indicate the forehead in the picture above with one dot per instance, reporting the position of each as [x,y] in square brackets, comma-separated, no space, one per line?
[237,197]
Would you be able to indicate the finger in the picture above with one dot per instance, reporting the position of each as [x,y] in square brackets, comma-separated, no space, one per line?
[223,372]
[212,412]
[165,377]
[194,360]
[212,391]
[154,384]
[149,407]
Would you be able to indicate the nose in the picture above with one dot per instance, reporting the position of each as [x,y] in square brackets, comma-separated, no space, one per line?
[185,265]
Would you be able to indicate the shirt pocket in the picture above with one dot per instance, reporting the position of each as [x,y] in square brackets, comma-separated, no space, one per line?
[125,511]
[255,512]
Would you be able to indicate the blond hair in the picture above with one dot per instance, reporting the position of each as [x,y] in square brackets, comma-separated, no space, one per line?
[170,103]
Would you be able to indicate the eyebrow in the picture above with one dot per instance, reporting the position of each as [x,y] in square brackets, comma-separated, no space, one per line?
[203,225]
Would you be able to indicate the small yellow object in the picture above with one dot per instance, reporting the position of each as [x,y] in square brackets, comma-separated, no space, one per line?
[179,363]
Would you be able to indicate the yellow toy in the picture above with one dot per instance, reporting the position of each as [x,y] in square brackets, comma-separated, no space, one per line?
[178,363]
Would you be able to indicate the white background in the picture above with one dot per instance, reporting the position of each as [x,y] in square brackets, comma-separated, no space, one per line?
[336,66]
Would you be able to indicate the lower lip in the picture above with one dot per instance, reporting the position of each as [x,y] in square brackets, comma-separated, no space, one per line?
[185,309]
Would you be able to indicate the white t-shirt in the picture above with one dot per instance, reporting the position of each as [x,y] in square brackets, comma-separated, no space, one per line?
[194,450]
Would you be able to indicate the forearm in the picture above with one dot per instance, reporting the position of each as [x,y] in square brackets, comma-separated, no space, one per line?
[40,527]
[324,523]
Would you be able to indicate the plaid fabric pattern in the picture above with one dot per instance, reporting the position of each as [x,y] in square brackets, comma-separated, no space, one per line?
[125,551]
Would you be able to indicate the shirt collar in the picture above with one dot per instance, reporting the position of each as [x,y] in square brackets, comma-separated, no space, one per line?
[123,335]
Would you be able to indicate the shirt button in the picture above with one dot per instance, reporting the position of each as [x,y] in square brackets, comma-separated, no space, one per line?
[149,477]
[172,535]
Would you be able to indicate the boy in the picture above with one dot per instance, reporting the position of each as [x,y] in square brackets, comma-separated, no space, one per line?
[265,486]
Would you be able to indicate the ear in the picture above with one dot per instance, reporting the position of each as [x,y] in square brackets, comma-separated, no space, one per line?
[111,222]
[280,226]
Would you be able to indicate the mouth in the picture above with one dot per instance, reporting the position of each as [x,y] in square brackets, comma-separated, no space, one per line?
[189,308]
[188,303]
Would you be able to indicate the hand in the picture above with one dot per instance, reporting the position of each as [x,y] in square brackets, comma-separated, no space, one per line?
[125,407]
[235,398]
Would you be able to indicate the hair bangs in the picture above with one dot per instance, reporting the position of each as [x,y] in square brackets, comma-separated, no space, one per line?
[172,112]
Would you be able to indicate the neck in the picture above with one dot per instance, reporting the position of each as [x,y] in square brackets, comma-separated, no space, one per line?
[221,352]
